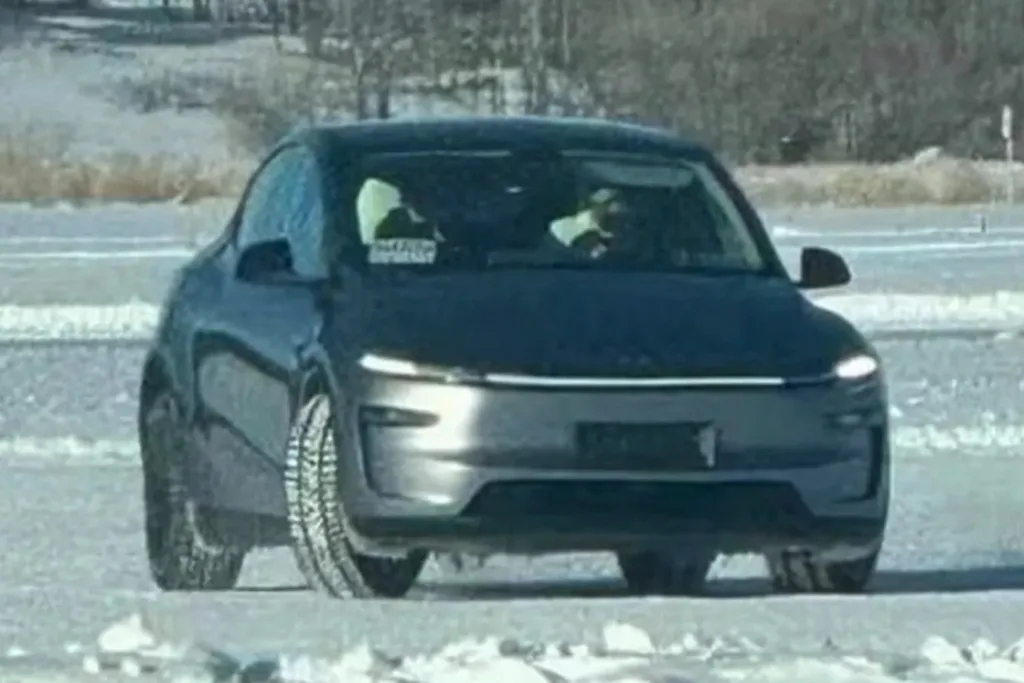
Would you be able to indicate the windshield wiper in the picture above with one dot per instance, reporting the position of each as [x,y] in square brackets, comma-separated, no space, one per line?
[513,260]
[722,270]
[531,260]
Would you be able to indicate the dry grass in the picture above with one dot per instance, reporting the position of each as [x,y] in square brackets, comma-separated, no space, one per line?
[258,106]
[939,182]
[35,166]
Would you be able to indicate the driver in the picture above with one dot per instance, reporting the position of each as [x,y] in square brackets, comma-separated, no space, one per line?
[598,229]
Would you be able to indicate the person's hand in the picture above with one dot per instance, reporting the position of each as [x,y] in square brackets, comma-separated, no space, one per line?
[593,244]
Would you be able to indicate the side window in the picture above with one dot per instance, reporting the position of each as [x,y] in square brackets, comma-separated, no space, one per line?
[267,206]
[305,223]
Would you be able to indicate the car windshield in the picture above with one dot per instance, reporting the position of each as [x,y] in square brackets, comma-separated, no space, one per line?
[577,209]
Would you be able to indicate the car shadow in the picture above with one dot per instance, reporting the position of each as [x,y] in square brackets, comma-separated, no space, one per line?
[951,580]
[440,590]
[887,582]
[1008,576]
[284,588]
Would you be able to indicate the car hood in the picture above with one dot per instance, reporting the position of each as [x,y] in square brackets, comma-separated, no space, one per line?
[603,324]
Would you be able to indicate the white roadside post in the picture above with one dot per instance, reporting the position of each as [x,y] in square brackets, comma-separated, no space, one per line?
[1007,131]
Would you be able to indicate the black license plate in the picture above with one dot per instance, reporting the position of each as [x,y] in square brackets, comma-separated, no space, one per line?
[670,446]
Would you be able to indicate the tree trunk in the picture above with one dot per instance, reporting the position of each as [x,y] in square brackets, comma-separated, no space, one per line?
[535,61]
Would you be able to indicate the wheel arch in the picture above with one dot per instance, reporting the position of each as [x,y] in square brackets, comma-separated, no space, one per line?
[156,378]
[318,377]
[322,378]
[314,382]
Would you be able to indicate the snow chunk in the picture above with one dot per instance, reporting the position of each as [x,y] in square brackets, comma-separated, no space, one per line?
[363,663]
[498,670]
[928,155]
[981,650]
[91,665]
[130,635]
[619,638]
[1001,670]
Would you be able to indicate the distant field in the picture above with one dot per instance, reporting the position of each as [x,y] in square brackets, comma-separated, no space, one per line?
[96,108]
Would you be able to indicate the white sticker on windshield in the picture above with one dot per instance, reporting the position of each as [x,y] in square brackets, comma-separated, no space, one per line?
[403,252]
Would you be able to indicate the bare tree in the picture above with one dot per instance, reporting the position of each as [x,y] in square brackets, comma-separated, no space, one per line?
[759,79]
[535,73]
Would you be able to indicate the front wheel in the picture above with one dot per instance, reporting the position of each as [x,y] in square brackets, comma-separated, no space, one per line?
[182,554]
[319,528]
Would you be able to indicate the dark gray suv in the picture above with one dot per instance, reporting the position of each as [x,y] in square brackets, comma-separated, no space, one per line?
[507,335]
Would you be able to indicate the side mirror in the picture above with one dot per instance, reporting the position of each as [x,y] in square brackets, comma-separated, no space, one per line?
[821,268]
[266,259]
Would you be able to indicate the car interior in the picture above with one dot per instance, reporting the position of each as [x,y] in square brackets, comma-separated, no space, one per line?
[480,207]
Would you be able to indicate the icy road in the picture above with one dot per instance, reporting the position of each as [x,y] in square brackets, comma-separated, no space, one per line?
[944,301]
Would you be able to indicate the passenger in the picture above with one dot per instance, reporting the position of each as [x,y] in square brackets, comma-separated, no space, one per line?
[382,213]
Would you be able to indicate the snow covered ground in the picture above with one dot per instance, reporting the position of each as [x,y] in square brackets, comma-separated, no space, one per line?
[618,653]
[941,298]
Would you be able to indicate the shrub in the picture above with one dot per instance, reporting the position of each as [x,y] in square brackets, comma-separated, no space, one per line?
[35,166]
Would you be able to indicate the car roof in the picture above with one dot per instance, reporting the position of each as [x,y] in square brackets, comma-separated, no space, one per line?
[494,132]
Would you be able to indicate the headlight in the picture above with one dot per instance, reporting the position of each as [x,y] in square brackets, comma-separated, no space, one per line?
[860,366]
[399,367]
[386,365]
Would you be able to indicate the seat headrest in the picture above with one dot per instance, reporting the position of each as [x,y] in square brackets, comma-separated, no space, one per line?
[376,199]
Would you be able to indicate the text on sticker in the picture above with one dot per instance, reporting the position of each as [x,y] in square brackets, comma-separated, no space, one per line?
[403,251]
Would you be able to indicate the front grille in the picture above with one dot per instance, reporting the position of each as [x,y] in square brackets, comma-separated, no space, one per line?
[736,501]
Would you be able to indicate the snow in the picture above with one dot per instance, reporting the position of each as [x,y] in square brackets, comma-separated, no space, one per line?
[48,90]
[68,450]
[21,240]
[122,255]
[622,653]
[133,320]
[885,312]
[779,231]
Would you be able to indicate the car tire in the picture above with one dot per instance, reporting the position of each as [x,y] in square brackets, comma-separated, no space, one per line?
[318,525]
[652,573]
[803,573]
[183,555]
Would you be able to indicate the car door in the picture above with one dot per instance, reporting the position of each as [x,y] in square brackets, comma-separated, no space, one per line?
[248,353]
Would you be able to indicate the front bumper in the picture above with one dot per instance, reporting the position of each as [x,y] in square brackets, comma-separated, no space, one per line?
[467,468]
